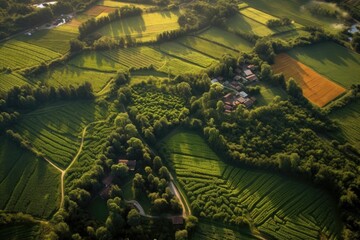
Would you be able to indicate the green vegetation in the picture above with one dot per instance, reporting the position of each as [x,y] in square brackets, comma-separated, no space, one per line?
[143,28]
[348,120]
[292,35]
[16,54]
[8,81]
[98,209]
[243,24]
[210,231]
[268,93]
[27,184]
[117,4]
[144,75]
[275,205]
[69,75]
[206,47]
[55,130]
[19,232]
[219,36]
[296,11]
[340,64]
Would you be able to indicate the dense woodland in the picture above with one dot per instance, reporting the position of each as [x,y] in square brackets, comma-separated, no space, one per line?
[290,136]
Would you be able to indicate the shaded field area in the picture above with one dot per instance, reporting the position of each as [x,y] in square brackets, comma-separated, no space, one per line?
[143,28]
[55,130]
[277,206]
[118,4]
[8,81]
[19,232]
[27,184]
[347,118]
[268,93]
[316,88]
[338,63]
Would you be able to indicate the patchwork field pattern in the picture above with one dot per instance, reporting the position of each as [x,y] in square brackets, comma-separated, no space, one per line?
[55,130]
[243,24]
[98,9]
[338,63]
[275,205]
[117,4]
[17,54]
[27,184]
[8,81]
[143,28]
[316,88]
[230,40]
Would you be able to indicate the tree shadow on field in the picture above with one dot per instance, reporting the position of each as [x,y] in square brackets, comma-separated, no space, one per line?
[127,26]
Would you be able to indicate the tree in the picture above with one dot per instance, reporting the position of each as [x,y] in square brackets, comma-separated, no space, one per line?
[134,218]
[181,235]
[76,45]
[191,223]
[135,149]
[164,173]
[157,163]
[355,42]
[102,234]
[184,89]
[120,170]
[294,90]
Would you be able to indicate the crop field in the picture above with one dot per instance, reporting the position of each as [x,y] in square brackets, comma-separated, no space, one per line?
[55,130]
[242,24]
[316,88]
[257,15]
[341,65]
[53,39]
[268,93]
[17,54]
[27,184]
[275,205]
[208,48]
[295,10]
[8,81]
[143,28]
[212,231]
[227,39]
[117,4]
[99,9]
[69,75]
[177,50]
[144,75]
[291,35]
[19,232]
[348,120]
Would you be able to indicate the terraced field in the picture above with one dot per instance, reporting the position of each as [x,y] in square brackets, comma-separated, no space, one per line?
[17,54]
[348,120]
[55,130]
[69,75]
[53,39]
[207,48]
[277,206]
[143,28]
[8,81]
[341,65]
[20,232]
[226,39]
[316,88]
[27,184]
[243,24]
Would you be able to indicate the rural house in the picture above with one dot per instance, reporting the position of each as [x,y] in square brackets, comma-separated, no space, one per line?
[131,164]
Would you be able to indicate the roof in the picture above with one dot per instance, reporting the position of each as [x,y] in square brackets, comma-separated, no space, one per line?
[214,80]
[243,94]
[130,163]
[248,72]
[177,220]
[237,78]
[227,96]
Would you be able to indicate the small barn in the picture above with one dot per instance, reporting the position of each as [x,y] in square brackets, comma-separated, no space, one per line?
[131,164]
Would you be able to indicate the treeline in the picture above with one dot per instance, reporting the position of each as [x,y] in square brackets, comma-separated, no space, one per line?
[274,23]
[93,24]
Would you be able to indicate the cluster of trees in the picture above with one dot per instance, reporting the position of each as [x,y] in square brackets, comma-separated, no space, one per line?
[323,9]
[273,23]
[355,42]
[93,24]
[28,97]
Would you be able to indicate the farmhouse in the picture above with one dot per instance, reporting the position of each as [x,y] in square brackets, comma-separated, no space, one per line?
[130,163]
[177,220]
[107,181]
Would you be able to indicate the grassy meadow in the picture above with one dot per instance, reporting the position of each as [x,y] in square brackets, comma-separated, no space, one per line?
[27,184]
[268,93]
[277,206]
[8,81]
[118,4]
[339,64]
[143,28]
[55,129]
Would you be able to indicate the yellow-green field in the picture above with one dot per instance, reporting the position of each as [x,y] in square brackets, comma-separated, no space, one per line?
[143,28]
[118,4]
[8,81]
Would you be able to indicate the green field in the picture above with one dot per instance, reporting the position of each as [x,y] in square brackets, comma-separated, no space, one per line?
[27,184]
[19,232]
[143,28]
[98,209]
[268,93]
[242,24]
[55,129]
[339,64]
[212,231]
[348,119]
[52,39]
[8,81]
[177,50]
[208,48]
[17,54]
[294,9]
[144,75]
[227,39]
[292,35]
[69,75]
[277,206]
[117,4]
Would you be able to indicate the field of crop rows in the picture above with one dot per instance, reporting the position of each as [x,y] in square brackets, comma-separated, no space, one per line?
[19,231]
[276,205]
[8,81]
[27,184]
[55,130]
